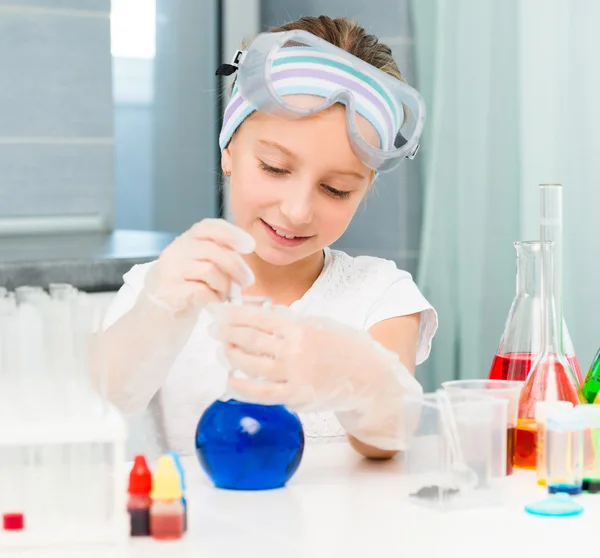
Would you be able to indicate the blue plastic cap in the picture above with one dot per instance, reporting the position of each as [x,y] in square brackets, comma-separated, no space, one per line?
[179,467]
[557,505]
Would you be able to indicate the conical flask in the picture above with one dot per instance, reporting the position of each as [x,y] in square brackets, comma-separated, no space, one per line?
[520,344]
[551,377]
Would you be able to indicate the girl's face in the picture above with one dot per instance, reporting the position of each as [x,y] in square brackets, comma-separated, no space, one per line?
[295,184]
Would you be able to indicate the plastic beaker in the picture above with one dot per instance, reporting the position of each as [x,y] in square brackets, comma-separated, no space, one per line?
[430,466]
[520,343]
[503,389]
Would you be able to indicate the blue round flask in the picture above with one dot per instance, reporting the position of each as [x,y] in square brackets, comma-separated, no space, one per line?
[244,446]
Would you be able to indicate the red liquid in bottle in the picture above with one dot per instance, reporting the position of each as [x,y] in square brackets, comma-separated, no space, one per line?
[516,366]
[511,439]
[168,526]
[138,506]
[525,447]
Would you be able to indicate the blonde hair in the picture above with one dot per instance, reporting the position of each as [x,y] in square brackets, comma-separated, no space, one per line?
[345,34]
[348,35]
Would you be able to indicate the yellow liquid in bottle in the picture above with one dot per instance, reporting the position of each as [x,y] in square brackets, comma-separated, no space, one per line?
[539,454]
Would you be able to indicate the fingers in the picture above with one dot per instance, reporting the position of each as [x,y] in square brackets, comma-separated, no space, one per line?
[202,294]
[225,234]
[201,265]
[250,340]
[230,262]
[265,393]
[208,273]
[254,365]
[274,320]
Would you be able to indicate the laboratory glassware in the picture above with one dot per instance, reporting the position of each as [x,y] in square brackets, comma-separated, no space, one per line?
[246,446]
[520,343]
[551,377]
[591,386]
[503,389]
[450,454]
[563,450]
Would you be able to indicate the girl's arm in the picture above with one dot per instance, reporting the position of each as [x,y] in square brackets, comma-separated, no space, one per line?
[134,354]
[399,335]
[132,357]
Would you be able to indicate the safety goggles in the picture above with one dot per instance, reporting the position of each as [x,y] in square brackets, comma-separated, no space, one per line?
[295,74]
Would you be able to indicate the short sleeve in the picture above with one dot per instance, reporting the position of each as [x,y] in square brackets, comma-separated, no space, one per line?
[127,295]
[401,298]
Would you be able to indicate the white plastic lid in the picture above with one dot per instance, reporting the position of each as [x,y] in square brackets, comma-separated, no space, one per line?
[590,414]
[564,418]
[543,407]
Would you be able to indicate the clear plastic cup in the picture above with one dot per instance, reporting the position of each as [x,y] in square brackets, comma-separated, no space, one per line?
[502,389]
[591,447]
[434,476]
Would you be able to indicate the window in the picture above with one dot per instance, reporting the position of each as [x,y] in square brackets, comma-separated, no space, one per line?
[133,28]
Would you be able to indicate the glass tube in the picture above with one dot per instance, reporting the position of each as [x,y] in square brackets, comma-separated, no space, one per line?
[541,412]
[591,447]
[564,450]
[551,377]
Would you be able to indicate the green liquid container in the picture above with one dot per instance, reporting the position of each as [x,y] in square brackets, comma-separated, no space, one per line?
[591,386]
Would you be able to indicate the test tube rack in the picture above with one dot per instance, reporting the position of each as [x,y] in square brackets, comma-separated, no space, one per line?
[62,445]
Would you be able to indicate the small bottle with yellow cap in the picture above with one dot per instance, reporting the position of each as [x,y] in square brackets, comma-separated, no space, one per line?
[166,511]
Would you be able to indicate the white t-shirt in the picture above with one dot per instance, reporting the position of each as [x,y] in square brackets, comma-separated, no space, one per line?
[358,292]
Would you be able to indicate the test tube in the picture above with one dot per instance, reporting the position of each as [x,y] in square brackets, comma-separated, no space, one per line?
[5,364]
[564,450]
[541,411]
[28,292]
[591,447]
[61,291]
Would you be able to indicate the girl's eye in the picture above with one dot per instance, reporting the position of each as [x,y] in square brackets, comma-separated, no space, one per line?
[276,171]
[272,170]
[340,194]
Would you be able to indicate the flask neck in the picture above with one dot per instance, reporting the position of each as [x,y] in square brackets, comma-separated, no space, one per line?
[551,308]
[551,278]
[529,268]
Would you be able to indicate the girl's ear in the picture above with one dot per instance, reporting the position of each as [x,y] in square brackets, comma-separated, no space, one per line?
[226,161]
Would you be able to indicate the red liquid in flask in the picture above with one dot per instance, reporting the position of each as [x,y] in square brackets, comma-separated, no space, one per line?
[516,366]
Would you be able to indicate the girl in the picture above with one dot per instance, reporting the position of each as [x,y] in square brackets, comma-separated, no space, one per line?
[307,127]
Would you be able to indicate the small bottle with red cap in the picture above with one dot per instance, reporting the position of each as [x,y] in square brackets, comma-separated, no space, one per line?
[138,505]
[13,521]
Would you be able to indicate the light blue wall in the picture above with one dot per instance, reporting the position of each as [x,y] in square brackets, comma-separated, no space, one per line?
[56,126]
[185,116]
[166,122]
[133,166]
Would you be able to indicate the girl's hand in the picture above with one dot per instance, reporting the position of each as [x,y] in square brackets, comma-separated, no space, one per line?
[199,266]
[317,364]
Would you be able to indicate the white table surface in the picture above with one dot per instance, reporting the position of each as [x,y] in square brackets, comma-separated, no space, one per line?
[339,504]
